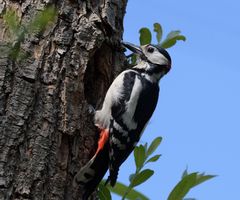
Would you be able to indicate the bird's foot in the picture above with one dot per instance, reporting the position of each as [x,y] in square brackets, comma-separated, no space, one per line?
[91,110]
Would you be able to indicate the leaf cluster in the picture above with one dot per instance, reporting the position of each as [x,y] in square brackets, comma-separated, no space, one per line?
[187,182]
[146,38]
[170,40]
[143,156]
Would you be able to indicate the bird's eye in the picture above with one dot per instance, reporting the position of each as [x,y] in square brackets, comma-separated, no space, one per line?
[150,49]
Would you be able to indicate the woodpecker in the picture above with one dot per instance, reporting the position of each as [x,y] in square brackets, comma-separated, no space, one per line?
[128,105]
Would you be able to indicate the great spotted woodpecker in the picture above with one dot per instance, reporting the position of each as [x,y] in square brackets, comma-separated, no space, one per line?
[128,105]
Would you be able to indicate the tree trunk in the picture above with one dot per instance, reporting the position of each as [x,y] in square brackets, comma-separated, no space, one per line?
[47,133]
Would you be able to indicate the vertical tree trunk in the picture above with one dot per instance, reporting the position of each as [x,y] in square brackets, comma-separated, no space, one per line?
[46,132]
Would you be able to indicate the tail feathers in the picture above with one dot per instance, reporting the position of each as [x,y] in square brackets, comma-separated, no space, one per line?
[92,173]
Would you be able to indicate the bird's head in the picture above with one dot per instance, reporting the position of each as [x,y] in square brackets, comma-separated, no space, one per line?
[153,54]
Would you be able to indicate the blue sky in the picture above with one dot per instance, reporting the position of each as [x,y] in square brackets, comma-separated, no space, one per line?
[198,111]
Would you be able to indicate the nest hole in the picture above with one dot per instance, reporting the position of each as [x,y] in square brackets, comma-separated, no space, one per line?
[98,76]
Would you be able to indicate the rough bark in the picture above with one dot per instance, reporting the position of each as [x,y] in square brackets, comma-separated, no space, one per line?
[46,132]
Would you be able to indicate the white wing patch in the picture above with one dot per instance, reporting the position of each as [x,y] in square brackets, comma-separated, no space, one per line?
[132,104]
[114,94]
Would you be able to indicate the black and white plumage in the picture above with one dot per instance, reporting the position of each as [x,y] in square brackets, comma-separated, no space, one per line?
[128,105]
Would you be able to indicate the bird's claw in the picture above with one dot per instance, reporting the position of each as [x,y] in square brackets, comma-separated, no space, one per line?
[91,109]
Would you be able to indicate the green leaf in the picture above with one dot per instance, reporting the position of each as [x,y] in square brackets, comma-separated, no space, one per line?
[189,181]
[120,190]
[139,156]
[185,173]
[145,36]
[154,158]
[202,178]
[142,177]
[145,146]
[103,192]
[131,176]
[172,38]
[158,30]
[133,59]
[155,143]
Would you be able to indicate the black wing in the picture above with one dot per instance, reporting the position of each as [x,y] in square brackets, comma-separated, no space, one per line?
[123,140]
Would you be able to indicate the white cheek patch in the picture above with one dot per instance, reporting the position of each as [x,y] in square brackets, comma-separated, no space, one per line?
[157,58]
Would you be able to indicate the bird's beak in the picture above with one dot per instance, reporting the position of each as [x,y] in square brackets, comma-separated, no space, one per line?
[132,47]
